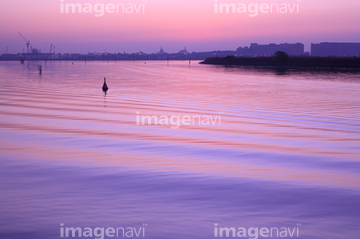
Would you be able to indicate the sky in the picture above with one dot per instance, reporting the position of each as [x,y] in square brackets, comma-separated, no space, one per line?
[172,24]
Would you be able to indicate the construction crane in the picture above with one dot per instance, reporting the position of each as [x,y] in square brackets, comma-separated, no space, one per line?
[27,43]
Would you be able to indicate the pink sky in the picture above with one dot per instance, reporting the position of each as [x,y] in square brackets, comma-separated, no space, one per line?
[173,25]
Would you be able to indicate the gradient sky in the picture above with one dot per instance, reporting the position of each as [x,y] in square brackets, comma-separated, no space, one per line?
[172,24]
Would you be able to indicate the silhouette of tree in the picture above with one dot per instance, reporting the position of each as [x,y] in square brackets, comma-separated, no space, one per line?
[282,58]
[230,60]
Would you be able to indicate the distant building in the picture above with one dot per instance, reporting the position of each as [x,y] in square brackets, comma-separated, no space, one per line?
[35,51]
[161,51]
[255,49]
[184,52]
[335,49]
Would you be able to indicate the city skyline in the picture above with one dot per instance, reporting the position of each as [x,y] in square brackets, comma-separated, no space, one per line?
[172,26]
[324,49]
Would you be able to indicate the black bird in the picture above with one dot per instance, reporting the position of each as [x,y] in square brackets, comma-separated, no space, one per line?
[105,87]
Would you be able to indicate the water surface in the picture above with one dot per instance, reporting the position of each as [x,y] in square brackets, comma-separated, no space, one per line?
[286,151]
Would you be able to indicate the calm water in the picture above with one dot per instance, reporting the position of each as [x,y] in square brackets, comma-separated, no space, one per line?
[287,151]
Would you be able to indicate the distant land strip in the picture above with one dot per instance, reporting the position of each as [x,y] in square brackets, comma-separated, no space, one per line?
[281,60]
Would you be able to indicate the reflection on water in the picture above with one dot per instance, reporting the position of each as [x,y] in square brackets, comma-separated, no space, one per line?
[286,152]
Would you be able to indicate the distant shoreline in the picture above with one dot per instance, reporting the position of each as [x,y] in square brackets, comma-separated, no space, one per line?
[287,62]
[266,62]
[74,60]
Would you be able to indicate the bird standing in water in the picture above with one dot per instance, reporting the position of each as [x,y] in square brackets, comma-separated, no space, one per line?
[105,87]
